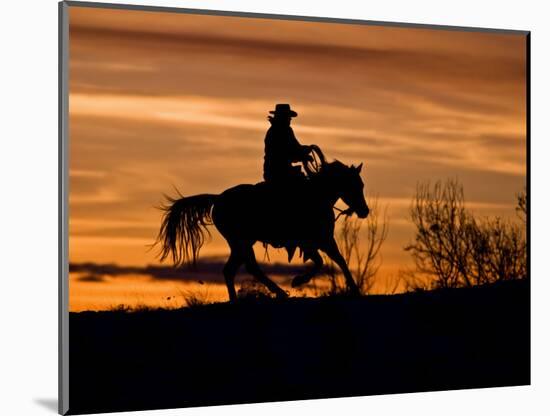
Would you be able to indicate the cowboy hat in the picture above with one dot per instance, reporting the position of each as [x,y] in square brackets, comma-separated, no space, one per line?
[283,110]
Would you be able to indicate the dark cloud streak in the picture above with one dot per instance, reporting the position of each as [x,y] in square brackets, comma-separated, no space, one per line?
[207,270]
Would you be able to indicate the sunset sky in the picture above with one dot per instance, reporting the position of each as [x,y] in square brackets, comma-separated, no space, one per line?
[162,100]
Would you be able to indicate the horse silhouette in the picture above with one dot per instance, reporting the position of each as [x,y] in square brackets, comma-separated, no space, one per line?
[291,215]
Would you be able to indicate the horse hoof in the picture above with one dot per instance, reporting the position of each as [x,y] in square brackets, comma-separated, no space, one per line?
[299,281]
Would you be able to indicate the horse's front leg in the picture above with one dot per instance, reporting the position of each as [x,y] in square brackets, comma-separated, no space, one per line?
[332,250]
[306,277]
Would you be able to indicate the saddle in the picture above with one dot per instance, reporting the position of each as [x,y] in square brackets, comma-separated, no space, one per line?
[285,195]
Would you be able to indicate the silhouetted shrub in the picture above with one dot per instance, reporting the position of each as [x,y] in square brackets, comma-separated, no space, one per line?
[499,251]
[194,298]
[252,289]
[454,249]
[521,207]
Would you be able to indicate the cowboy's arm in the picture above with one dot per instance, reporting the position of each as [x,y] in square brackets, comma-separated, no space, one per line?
[297,151]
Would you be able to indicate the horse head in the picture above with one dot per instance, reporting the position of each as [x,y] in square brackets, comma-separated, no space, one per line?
[348,185]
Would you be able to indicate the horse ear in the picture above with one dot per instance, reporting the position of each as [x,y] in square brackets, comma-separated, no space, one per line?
[359,167]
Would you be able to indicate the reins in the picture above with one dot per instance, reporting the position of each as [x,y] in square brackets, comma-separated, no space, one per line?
[347,212]
[313,166]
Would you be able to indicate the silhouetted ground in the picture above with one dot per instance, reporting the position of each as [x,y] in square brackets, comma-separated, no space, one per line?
[300,349]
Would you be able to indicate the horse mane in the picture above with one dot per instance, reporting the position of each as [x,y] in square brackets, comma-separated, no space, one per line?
[335,165]
[328,173]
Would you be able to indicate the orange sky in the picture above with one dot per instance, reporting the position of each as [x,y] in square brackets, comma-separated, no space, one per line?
[160,100]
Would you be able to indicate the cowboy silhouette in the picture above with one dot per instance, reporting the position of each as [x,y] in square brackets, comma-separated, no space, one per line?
[282,148]
[286,215]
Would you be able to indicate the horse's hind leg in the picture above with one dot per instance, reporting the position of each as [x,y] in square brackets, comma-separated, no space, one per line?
[307,276]
[253,268]
[229,271]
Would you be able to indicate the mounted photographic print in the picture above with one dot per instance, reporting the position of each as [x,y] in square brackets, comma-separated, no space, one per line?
[260,208]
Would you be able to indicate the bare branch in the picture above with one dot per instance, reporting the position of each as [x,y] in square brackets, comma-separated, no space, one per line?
[452,248]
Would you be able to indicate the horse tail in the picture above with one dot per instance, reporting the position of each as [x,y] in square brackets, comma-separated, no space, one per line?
[183,229]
